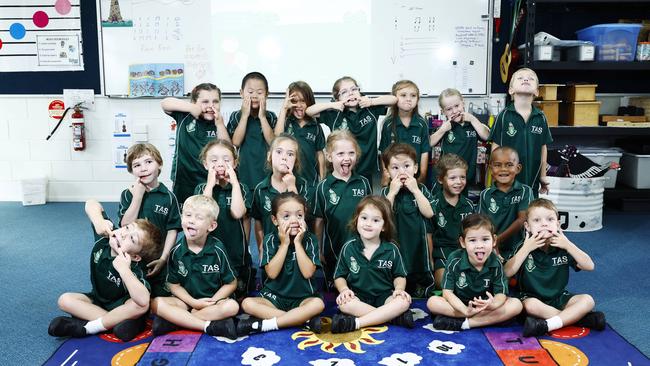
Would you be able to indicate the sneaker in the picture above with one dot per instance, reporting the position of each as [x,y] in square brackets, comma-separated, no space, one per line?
[405,320]
[65,326]
[162,326]
[442,322]
[534,327]
[222,328]
[249,326]
[342,323]
[128,329]
[593,320]
[314,324]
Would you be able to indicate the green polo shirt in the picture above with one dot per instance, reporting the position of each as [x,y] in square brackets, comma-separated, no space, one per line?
[462,140]
[191,136]
[411,229]
[311,140]
[108,288]
[416,135]
[447,220]
[264,194]
[467,282]
[372,277]
[335,201]
[230,231]
[200,274]
[527,138]
[545,274]
[252,151]
[503,208]
[290,283]
[363,125]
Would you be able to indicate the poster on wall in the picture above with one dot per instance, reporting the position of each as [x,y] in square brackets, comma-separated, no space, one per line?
[122,139]
[39,36]
[116,13]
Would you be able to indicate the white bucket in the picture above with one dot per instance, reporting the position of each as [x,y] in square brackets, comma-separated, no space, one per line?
[579,202]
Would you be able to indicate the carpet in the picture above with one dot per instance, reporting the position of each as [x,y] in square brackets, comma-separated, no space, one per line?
[384,345]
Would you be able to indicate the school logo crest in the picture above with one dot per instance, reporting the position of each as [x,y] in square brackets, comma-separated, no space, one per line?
[354,266]
[334,198]
[450,137]
[191,127]
[290,129]
[530,263]
[442,222]
[511,130]
[493,206]
[97,255]
[344,124]
[267,203]
[461,282]
[181,269]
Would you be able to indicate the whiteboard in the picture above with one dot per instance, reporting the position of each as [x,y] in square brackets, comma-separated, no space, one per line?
[437,44]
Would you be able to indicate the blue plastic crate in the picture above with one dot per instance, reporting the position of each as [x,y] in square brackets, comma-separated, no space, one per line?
[614,42]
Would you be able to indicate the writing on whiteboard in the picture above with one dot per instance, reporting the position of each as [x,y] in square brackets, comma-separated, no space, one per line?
[470,36]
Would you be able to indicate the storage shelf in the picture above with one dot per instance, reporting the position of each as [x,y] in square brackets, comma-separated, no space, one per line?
[599,131]
[592,65]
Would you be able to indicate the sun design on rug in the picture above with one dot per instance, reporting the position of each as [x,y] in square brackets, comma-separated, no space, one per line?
[328,341]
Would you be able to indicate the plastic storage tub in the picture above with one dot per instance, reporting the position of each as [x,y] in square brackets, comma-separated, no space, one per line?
[579,202]
[614,42]
[604,156]
[634,170]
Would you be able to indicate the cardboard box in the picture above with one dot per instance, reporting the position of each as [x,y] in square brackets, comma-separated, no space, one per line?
[548,91]
[581,113]
[580,92]
[551,110]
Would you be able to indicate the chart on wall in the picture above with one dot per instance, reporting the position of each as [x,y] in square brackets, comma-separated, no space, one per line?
[40,35]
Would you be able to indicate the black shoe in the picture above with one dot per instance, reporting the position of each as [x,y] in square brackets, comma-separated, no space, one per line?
[404,320]
[128,329]
[535,327]
[442,322]
[593,320]
[314,324]
[342,323]
[65,326]
[162,326]
[249,326]
[222,328]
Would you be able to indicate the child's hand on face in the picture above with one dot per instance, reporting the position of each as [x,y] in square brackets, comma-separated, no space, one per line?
[344,297]
[290,181]
[446,126]
[122,261]
[396,183]
[289,100]
[301,233]
[105,228]
[365,102]
[246,106]
[412,184]
[196,110]
[261,112]
[533,242]
[138,188]
[559,240]
[339,105]
[231,175]
[218,118]
[212,177]
[284,233]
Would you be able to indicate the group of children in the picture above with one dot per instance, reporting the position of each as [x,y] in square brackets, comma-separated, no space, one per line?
[311,201]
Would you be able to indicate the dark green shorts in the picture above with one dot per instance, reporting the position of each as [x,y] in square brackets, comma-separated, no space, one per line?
[440,255]
[375,301]
[245,281]
[108,306]
[420,285]
[158,284]
[558,302]
[282,303]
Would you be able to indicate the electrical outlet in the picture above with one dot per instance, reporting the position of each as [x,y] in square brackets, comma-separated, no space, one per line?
[73,96]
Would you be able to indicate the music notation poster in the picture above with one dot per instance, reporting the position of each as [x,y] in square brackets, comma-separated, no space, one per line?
[40,35]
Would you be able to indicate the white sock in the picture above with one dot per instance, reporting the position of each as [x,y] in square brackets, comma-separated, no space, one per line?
[205,326]
[269,324]
[465,324]
[554,323]
[94,326]
[356,323]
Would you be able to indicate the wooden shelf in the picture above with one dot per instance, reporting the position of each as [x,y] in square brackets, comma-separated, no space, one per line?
[599,131]
[591,65]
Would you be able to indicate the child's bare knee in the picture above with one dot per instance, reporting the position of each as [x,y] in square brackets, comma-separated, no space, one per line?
[65,302]
[587,300]
[530,305]
[230,307]
[246,304]
[514,305]
[402,304]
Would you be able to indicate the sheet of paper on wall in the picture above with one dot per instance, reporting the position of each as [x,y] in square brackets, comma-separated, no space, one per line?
[156,80]
[122,139]
[40,37]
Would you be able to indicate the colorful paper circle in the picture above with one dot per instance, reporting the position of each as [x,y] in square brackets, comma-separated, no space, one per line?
[40,19]
[0,44]
[17,31]
[62,6]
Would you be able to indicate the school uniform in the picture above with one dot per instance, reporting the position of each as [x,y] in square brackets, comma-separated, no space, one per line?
[416,135]
[447,226]
[252,151]
[200,274]
[545,275]
[230,232]
[363,125]
[289,288]
[263,196]
[161,208]
[412,231]
[503,209]
[335,201]
[467,282]
[370,279]
[311,140]
[462,140]
[191,136]
[527,138]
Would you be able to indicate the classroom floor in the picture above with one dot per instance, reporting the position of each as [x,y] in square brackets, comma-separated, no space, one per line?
[44,251]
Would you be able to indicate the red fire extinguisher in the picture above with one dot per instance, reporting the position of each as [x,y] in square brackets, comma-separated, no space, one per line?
[78,130]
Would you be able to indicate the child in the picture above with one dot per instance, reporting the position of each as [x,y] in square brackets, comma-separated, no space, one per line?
[474,288]
[404,124]
[120,296]
[523,127]
[283,160]
[541,264]
[293,121]
[351,111]
[150,199]
[200,278]
[220,160]
[411,203]
[197,123]
[290,258]
[336,196]
[449,209]
[505,203]
[370,275]
[251,128]
[460,132]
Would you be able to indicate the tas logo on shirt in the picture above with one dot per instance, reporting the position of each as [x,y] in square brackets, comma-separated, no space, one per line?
[354,266]
[384,264]
[511,130]
[462,281]
[536,130]
[450,137]
[416,139]
[210,268]
[161,210]
[267,203]
[530,263]
[191,127]
[442,222]
[334,199]
[115,279]
[493,206]
[97,255]
[181,269]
